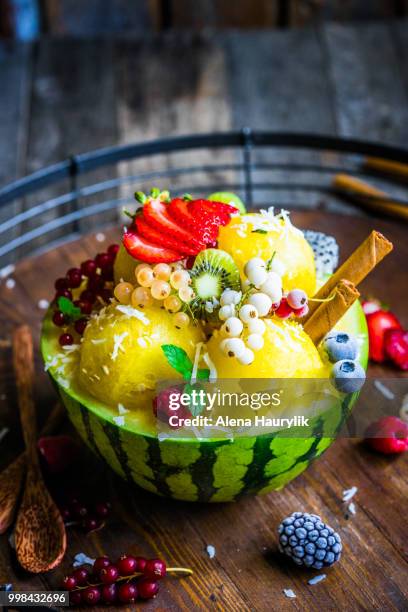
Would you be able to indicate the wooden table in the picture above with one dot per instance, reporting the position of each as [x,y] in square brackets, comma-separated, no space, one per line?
[247,572]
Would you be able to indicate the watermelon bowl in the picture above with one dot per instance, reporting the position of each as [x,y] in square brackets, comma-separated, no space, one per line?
[207,470]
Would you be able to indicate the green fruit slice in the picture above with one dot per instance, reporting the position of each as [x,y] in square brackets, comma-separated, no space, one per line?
[228,198]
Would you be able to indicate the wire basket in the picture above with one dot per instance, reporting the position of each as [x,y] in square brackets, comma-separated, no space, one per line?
[90,190]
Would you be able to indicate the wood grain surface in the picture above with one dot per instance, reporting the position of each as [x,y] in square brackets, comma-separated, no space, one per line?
[247,572]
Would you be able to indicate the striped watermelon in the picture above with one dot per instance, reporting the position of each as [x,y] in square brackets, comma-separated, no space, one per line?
[210,470]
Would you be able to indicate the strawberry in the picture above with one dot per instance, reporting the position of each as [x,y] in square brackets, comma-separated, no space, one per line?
[156,214]
[160,238]
[143,250]
[388,435]
[204,227]
[378,322]
[396,347]
[218,212]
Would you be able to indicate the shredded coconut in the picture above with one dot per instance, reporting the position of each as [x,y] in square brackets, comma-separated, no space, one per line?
[10,283]
[385,391]
[122,409]
[106,370]
[199,346]
[129,311]
[7,270]
[71,348]
[100,237]
[82,559]
[43,304]
[98,340]
[348,494]
[119,420]
[211,366]
[351,508]
[142,342]
[117,344]
[211,551]
[317,579]
[289,593]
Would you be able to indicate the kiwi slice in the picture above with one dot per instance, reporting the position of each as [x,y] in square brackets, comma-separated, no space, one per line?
[213,271]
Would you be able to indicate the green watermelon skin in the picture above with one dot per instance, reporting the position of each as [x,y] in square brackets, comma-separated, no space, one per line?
[210,470]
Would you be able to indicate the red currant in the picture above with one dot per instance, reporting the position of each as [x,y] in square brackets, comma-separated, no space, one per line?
[59,318]
[80,325]
[106,295]
[81,575]
[79,510]
[104,260]
[109,593]
[91,596]
[100,564]
[113,249]
[95,283]
[87,296]
[74,276]
[69,583]
[91,524]
[147,588]
[155,569]
[140,564]
[61,284]
[86,307]
[127,565]
[63,293]
[88,267]
[127,593]
[65,339]
[65,513]
[75,598]
[102,509]
[109,575]
[284,310]
[107,273]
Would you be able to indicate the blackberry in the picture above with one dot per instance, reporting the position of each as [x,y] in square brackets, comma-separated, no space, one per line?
[326,252]
[308,541]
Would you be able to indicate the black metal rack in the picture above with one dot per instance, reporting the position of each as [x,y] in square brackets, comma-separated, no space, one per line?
[58,202]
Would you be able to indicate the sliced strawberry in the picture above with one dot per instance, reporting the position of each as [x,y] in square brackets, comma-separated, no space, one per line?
[212,210]
[157,215]
[378,322]
[162,239]
[206,228]
[143,250]
[396,347]
[218,207]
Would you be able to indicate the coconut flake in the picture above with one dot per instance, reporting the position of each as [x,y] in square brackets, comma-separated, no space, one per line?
[385,391]
[210,551]
[117,344]
[43,304]
[211,366]
[317,579]
[7,270]
[351,508]
[196,360]
[82,559]
[10,283]
[141,342]
[348,494]
[119,420]
[100,237]
[98,340]
[71,348]
[106,370]
[129,311]
[122,409]
[289,593]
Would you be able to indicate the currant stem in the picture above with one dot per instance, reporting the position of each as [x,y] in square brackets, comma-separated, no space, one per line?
[329,299]
[180,570]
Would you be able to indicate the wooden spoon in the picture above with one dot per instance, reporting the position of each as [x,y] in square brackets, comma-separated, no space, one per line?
[11,478]
[40,532]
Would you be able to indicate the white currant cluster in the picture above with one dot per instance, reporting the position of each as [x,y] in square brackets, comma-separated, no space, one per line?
[243,328]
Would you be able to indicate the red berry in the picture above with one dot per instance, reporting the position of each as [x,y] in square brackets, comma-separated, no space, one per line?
[63,293]
[113,249]
[61,284]
[75,598]
[79,510]
[87,296]
[378,322]
[190,262]
[88,267]
[107,273]
[80,325]
[102,509]
[104,260]
[147,588]
[105,295]
[140,564]
[74,276]
[388,435]
[155,569]
[91,596]
[95,283]
[127,593]
[396,347]
[127,565]
[59,318]
[65,340]
[86,307]
[109,593]
[69,583]
[91,524]
[101,563]
[81,575]
[284,310]
[65,513]
[109,574]
[301,312]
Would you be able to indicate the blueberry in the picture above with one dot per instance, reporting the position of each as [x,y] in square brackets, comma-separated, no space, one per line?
[284,539]
[310,548]
[298,551]
[293,541]
[308,560]
[340,345]
[300,532]
[308,526]
[289,530]
[329,558]
[330,540]
[348,376]
[320,554]
[321,543]
[313,535]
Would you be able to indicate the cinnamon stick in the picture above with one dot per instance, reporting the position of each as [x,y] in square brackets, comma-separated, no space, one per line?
[360,263]
[329,313]
[377,201]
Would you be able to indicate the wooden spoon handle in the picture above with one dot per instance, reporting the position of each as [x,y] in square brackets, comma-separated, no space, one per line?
[23,363]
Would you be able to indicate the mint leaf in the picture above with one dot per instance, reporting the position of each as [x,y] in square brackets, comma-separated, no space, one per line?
[269,262]
[68,308]
[178,359]
[203,374]
[259,231]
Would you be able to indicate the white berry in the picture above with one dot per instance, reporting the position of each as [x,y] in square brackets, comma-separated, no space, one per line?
[257,276]
[278,266]
[247,357]
[223,346]
[255,342]
[256,263]
[229,296]
[262,303]
[226,311]
[234,347]
[256,326]
[247,313]
[233,327]
[273,287]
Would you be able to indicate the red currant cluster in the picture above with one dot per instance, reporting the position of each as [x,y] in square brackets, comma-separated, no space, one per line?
[95,278]
[125,581]
[89,516]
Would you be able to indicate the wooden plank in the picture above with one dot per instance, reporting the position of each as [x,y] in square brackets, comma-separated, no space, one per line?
[223,14]
[15,63]
[169,86]
[73,111]
[277,81]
